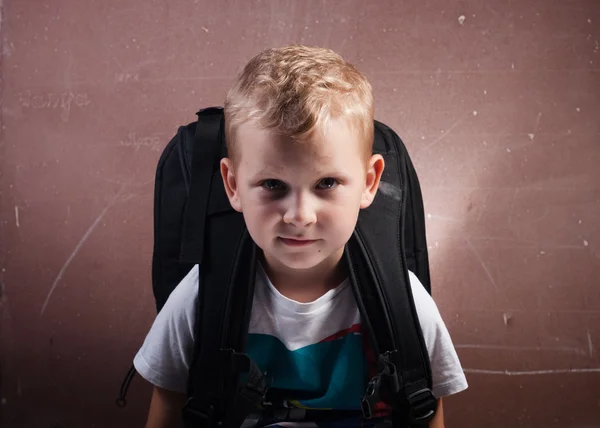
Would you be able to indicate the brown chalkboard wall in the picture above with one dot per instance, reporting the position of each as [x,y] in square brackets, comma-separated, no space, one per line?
[498,103]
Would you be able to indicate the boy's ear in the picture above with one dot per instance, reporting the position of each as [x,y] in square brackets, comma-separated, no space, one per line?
[230,183]
[374,170]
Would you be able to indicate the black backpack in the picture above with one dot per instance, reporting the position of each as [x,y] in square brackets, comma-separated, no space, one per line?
[195,224]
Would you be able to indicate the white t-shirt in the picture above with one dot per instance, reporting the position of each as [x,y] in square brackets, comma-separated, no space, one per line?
[314,348]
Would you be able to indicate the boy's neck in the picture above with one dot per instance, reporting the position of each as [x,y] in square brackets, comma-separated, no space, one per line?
[306,285]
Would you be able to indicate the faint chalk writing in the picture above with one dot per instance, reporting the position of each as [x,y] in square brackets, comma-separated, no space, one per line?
[150,142]
[51,100]
[127,77]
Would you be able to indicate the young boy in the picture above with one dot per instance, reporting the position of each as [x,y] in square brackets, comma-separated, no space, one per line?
[299,132]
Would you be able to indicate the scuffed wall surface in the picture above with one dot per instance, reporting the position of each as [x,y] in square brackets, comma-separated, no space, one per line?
[498,103]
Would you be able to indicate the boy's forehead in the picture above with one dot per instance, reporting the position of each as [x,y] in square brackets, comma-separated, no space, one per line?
[269,147]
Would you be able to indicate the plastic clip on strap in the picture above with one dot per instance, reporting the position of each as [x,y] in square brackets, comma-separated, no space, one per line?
[250,397]
[210,411]
[388,384]
[422,403]
[382,387]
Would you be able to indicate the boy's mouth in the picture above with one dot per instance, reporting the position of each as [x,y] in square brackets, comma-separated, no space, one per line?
[296,242]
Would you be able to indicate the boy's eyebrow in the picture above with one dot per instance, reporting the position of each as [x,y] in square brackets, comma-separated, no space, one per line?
[275,171]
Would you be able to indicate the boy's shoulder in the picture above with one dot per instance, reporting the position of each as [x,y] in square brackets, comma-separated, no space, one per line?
[424,303]
[182,301]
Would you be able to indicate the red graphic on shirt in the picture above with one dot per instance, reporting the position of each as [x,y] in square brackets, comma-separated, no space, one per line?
[343,333]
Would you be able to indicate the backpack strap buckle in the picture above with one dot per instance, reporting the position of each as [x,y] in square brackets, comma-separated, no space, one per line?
[389,385]
[209,411]
[383,386]
[256,387]
[249,397]
[423,406]
[370,398]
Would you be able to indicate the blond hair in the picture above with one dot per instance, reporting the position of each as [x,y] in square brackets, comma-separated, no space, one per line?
[295,91]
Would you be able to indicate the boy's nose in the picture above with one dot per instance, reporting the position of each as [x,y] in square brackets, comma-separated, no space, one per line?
[300,212]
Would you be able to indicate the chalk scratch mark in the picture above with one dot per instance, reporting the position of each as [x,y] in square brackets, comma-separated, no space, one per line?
[78,247]
[482,263]
[537,122]
[443,218]
[17,216]
[511,212]
[444,135]
[522,243]
[531,372]
[125,183]
[590,344]
[520,348]
[541,312]
[141,64]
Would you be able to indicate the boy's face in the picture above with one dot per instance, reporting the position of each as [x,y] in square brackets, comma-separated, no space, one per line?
[301,201]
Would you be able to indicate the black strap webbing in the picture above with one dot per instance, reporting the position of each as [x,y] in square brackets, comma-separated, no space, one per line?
[415,242]
[250,396]
[378,271]
[225,301]
[207,145]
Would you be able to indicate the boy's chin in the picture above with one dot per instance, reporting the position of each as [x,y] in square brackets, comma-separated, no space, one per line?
[299,262]
[295,263]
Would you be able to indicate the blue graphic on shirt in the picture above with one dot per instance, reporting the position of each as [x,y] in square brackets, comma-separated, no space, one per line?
[332,373]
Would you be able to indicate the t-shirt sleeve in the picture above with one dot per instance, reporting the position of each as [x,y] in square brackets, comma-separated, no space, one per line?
[165,357]
[447,373]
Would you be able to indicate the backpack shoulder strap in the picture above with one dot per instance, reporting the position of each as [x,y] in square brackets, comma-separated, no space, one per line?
[204,160]
[415,237]
[378,271]
[216,238]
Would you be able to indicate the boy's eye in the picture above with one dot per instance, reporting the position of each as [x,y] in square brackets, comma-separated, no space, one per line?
[272,184]
[327,183]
